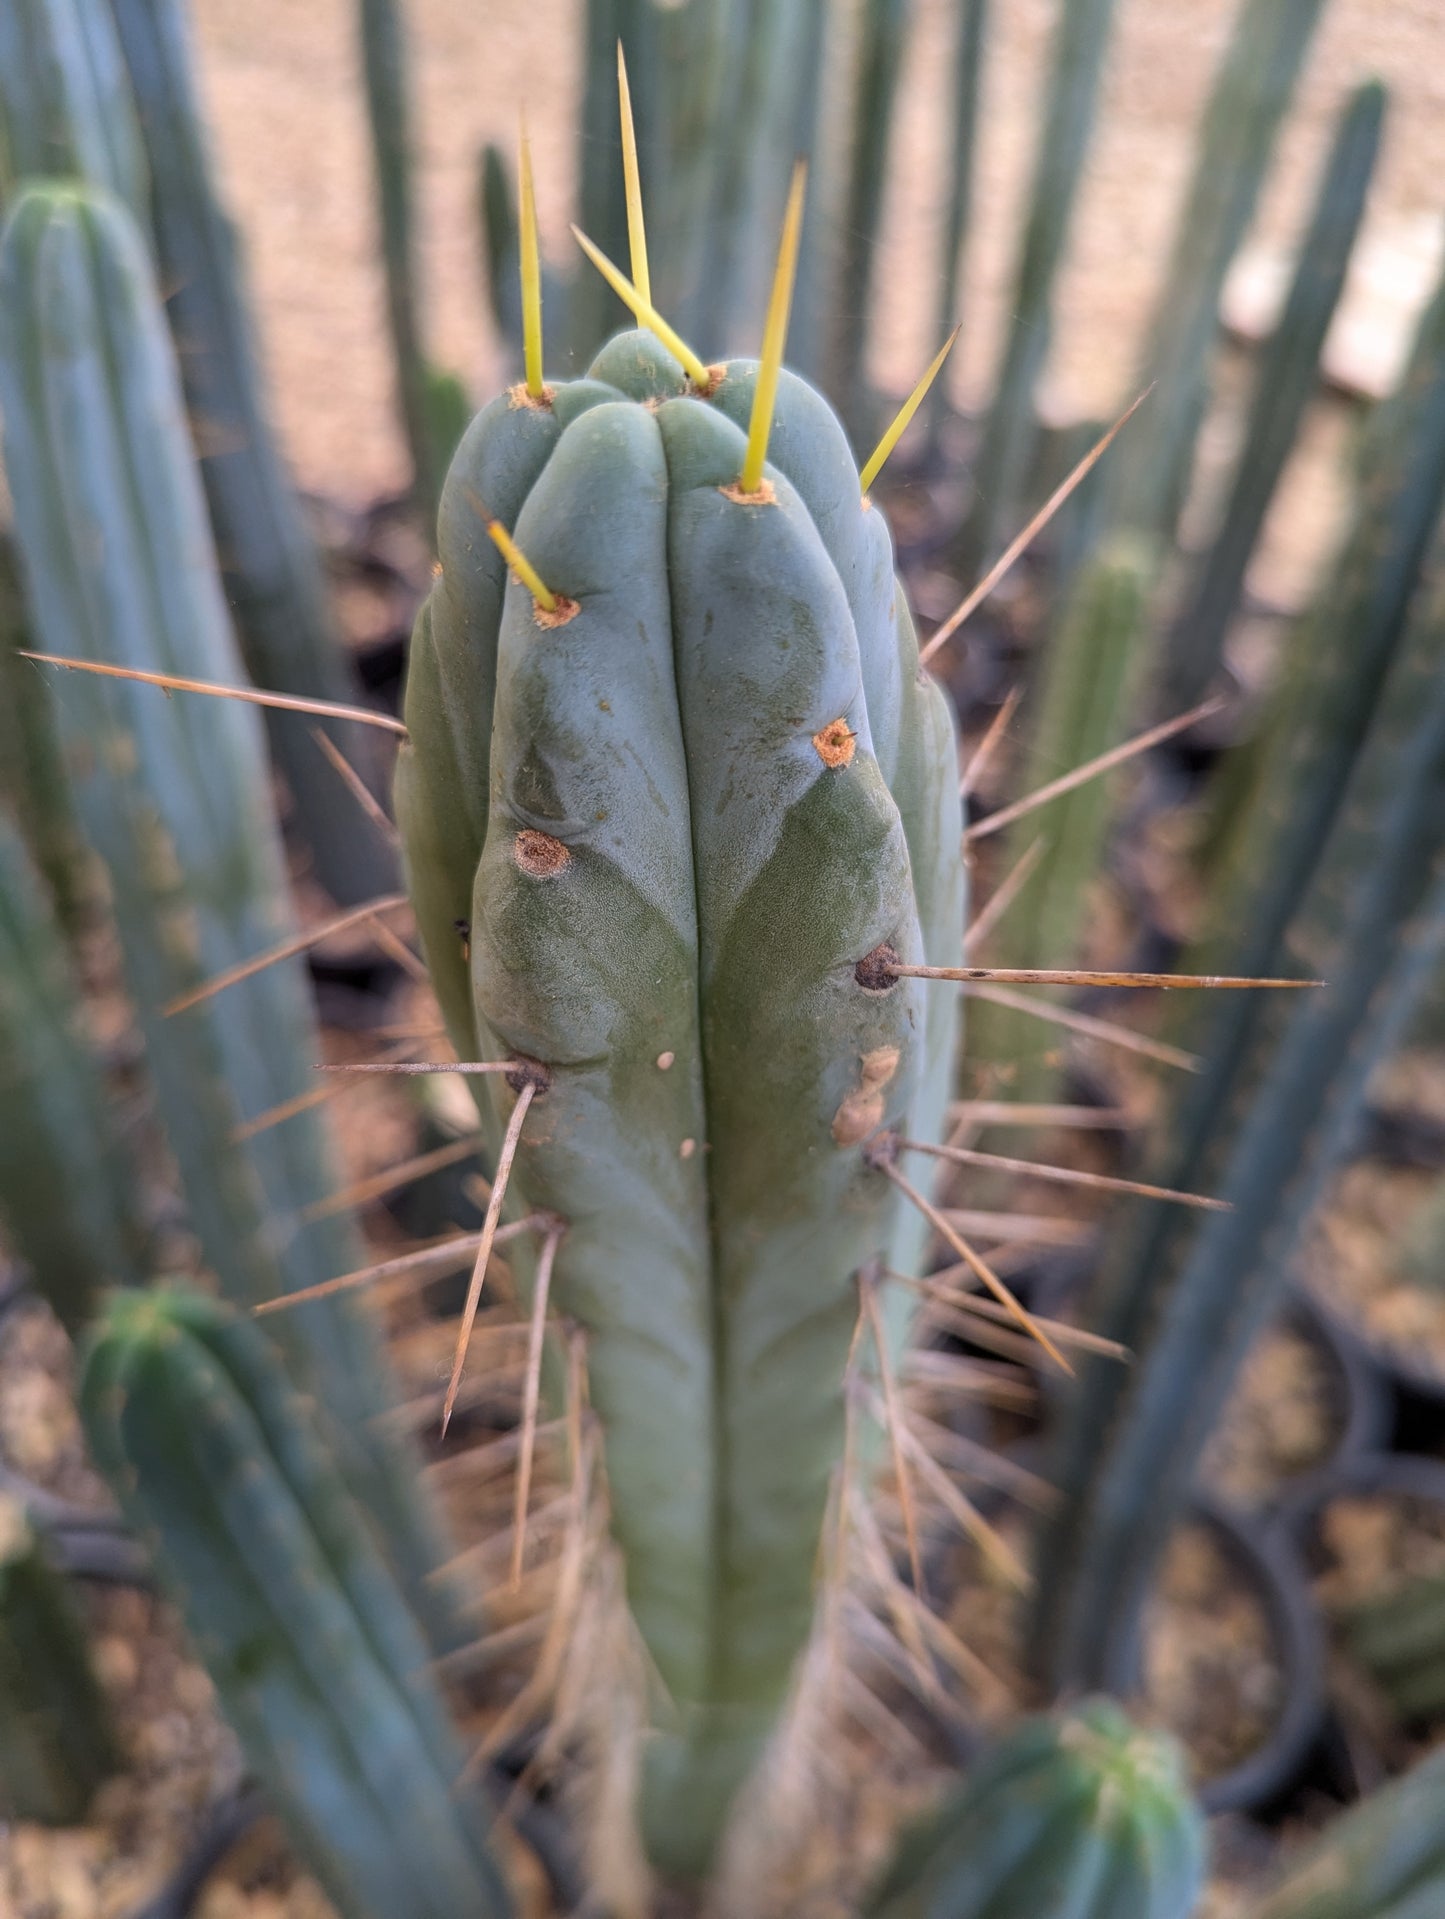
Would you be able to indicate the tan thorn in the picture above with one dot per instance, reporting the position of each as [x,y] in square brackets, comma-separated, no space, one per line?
[284,702]
[983,753]
[415,1066]
[1064,1175]
[1025,539]
[938,1286]
[427,1260]
[531,1391]
[941,1225]
[1074,976]
[364,1191]
[893,1423]
[1091,770]
[392,943]
[286,949]
[1005,1112]
[303,1102]
[1088,1027]
[1004,894]
[356,786]
[989,1540]
[488,1237]
[1018,1229]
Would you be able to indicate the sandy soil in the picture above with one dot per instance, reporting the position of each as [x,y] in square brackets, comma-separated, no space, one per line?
[282,86]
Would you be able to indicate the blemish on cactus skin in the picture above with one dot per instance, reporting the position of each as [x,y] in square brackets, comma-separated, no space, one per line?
[664,1061]
[836,743]
[862,1111]
[687,1149]
[874,972]
[538,855]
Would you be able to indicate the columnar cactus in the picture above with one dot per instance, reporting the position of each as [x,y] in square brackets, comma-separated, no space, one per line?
[65,1186]
[313,1650]
[1078,1817]
[664,841]
[59,1744]
[1384,1860]
[119,570]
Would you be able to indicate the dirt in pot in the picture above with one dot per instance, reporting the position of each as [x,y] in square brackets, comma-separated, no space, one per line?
[1211,1671]
[1284,1419]
[1356,1263]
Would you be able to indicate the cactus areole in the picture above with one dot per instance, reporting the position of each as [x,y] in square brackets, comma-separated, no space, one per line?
[651,833]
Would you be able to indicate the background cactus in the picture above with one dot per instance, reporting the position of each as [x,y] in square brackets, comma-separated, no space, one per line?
[434,409]
[1381,1861]
[59,1746]
[1081,1814]
[65,1187]
[1266,1122]
[303,1629]
[117,559]
[273,578]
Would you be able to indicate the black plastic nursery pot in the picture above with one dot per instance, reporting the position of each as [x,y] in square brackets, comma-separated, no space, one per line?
[1264,1563]
[1369,1533]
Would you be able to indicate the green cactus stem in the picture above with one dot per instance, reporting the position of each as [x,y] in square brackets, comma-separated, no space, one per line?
[1082,696]
[1251,94]
[314,1652]
[1385,1859]
[971,36]
[273,578]
[33,784]
[1127,1451]
[434,412]
[1331,691]
[883,34]
[675,815]
[1400,1641]
[59,1745]
[1081,40]
[1423,1254]
[65,100]
[65,1188]
[174,794]
[1082,1816]
[1287,378]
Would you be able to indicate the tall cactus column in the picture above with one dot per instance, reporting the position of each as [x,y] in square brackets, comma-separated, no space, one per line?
[273,576]
[716,787]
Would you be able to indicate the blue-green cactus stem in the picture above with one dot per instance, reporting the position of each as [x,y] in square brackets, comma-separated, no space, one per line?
[1288,376]
[60,1744]
[1084,692]
[312,1648]
[174,794]
[1127,1452]
[671,819]
[66,1191]
[1079,1817]
[33,783]
[273,576]
[65,100]
[1251,94]
[433,408]
[1384,1859]
[1081,41]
